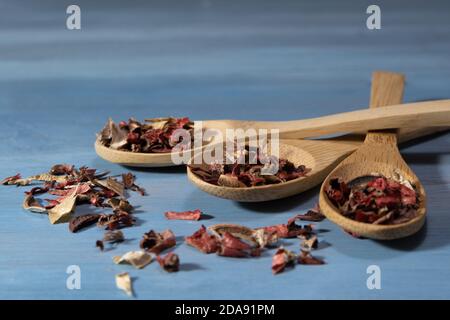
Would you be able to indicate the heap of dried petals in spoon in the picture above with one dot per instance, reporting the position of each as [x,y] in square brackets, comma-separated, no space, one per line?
[72,187]
[375,199]
[152,136]
[249,172]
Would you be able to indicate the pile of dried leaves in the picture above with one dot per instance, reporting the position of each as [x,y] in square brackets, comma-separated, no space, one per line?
[152,136]
[248,173]
[70,187]
[376,200]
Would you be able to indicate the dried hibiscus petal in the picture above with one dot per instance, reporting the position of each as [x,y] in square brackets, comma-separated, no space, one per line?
[169,262]
[230,246]
[31,204]
[306,258]
[184,215]
[281,259]
[83,221]
[155,242]
[203,241]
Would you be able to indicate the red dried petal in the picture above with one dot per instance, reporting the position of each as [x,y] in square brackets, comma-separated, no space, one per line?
[184,215]
[203,241]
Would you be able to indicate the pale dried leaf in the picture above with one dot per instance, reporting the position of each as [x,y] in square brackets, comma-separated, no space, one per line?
[229,181]
[31,204]
[62,212]
[138,259]
[118,136]
[123,282]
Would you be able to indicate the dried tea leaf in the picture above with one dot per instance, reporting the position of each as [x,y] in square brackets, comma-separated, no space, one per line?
[119,219]
[310,243]
[11,179]
[128,180]
[203,241]
[157,242]
[313,215]
[306,258]
[118,136]
[231,246]
[230,181]
[31,204]
[113,236]
[120,204]
[99,244]
[62,212]
[123,282]
[281,259]
[61,169]
[83,221]
[112,184]
[184,215]
[170,262]
[47,177]
[138,259]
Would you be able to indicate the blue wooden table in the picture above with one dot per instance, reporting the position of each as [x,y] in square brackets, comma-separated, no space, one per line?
[210,59]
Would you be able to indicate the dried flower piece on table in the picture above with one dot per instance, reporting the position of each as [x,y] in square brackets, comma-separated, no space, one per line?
[152,136]
[203,241]
[309,243]
[111,237]
[33,205]
[138,259]
[83,221]
[119,219]
[184,215]
[313,215]
[305,257]
[231,246]
[169,262]
[128,180]
[123,282]
[281,259]
[157,242]
[376,200]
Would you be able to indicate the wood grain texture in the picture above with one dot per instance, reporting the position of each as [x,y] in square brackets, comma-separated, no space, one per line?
[273,60]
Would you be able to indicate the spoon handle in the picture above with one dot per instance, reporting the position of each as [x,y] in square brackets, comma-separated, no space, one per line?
[419,114]
[387,89]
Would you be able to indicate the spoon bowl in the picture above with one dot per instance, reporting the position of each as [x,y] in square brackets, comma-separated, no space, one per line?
[374,159]
[379,155]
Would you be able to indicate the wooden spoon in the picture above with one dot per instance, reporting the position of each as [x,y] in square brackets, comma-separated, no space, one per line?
[419,114]
[321,156]
[378,155]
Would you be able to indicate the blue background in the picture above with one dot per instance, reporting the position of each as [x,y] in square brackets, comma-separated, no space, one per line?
[268,60]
